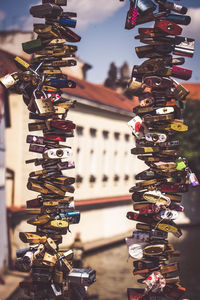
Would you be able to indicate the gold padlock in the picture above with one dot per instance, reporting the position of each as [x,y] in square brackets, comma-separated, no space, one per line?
[34,211]
[22,63]
[54,189]
[36,187]
[32,238]
[178,125]
[40,220]
[59,110]
[57,41]
[57,224]
[48,88]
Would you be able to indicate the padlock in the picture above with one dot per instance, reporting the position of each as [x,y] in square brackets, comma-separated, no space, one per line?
[184,46]
[49,259]
[136,125]
[39,220]
[68,34]
[58,276]
[83,277]
[54,189]
[41,274]
[131,17]
[68,22]
[165,110]
[43,104]
[168,27]
[57,224]
[50,245]
[193,181]
[158,82]
[174,188]
[72,217]
[10,80]
[181,73]
[144,150]
[173,6]
[46,10]
[32,46]
[32,238]
[178,19]
[156,137]
[35,186]
[36,148]
[145,6]
[157,197]
[57,153]
[57,2]
[22,64]
[154,250]
[64,180]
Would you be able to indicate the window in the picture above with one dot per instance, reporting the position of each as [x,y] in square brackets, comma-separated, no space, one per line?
[127,137]
[126,166]
[116,135]
[92,166]
[79,130]
[93,132]
[79,178]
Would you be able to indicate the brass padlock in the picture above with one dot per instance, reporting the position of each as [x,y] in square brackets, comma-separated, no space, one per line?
[50,245]
[57,224]
[49,259]
[39,220]
[58,276]
[32,238]
[43,104]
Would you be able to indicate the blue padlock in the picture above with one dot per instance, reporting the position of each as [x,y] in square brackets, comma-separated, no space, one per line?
[178,19]
[73,217]
[63,83]
[68,22]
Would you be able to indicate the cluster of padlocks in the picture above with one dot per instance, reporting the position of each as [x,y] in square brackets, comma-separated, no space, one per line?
[156,125]
[53,211]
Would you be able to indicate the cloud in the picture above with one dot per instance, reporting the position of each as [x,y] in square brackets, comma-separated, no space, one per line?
[88,12]
[192,30]
[2,15]
[92,12]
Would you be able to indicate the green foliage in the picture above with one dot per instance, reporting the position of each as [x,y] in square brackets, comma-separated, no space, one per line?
[190,140]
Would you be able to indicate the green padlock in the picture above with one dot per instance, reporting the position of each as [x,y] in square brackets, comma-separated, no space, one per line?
[32,46]
[180,164]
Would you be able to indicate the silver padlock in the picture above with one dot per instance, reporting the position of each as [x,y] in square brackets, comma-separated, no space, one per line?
[43,104]
[9,80]
[57,153]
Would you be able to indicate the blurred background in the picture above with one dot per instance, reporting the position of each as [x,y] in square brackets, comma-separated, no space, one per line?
[105,169]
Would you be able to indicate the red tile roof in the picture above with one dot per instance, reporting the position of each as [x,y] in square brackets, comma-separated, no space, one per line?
[194,89]
[101,94]
[7,64]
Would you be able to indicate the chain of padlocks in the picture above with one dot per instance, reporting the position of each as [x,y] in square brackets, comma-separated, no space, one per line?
[156,125]
[40,83]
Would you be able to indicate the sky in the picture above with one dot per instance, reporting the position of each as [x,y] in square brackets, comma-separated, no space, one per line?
[100,24]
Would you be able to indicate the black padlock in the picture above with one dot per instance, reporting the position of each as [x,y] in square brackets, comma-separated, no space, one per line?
[46,10]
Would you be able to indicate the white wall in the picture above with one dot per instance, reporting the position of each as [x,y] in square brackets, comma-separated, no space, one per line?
[3,226]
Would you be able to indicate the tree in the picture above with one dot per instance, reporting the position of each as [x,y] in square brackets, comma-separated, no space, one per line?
[190,140]
[112,76]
